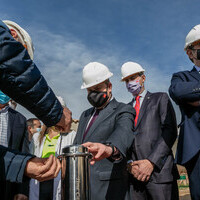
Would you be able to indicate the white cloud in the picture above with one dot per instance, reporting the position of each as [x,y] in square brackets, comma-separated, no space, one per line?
[61,59]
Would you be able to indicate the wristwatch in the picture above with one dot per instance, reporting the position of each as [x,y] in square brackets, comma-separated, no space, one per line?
[112,146]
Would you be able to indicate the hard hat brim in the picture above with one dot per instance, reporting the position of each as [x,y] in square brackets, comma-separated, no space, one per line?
[84,86]
[192,44]
[124,78]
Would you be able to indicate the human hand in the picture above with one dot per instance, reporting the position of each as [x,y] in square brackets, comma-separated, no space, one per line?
[194,103]
[20,197]
[132,169]
[43,169]
[98,150]
[142,170]
[64,124]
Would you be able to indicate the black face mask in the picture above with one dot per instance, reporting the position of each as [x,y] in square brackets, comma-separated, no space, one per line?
[97,99]
[198,54]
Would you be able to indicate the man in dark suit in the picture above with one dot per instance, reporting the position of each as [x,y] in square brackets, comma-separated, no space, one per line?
[185,91]
[153,172]
[13,134]
[106,128]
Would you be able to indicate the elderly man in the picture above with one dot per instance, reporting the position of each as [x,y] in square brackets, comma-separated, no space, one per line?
[13,131]
[153,172]
[185,91]
[21,80]
[13,134]
[107,130]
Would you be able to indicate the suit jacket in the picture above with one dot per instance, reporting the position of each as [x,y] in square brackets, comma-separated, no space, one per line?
[185,87]
[17,140]
[109,178]
[156,133]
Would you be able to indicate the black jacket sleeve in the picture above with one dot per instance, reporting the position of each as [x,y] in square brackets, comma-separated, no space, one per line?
[182,91]
[21,80]
[123,135]
[12,164]
[23,188]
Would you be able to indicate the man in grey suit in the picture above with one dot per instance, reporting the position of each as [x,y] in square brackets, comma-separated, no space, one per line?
[153,172]
[107,129]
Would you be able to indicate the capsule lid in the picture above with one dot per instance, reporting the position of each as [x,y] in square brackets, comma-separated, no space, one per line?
[75,149]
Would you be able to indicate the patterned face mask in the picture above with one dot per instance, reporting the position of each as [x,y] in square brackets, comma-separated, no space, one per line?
[134,87]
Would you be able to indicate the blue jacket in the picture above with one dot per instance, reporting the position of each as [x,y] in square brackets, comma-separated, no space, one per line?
[185,87]
[21,80]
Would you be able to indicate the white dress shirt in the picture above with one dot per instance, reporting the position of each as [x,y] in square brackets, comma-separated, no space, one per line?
[4,126]
[142,95]
[197,68]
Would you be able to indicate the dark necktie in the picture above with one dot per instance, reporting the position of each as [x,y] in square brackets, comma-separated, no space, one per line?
[137,109]
[91,122]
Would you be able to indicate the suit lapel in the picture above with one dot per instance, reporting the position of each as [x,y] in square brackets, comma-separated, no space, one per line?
[143,107]
[10,126]
[105,113]
[195,73]
[84,122]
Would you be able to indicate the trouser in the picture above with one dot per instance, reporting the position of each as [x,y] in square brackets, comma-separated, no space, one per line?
[46,190]
[193,170]
[154,191]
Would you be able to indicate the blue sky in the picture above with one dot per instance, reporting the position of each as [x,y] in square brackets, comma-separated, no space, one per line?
[68,34]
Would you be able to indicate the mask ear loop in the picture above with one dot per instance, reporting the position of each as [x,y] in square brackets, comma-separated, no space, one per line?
[198,54]
[110,94]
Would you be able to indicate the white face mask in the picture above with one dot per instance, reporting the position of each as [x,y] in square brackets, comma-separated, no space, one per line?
[38,130]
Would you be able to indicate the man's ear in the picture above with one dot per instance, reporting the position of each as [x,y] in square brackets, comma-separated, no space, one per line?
[29,128]
[144,78]
[189,53]
[110,87]
[14,33]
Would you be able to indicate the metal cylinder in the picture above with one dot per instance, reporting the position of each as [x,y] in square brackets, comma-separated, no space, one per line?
[75,173]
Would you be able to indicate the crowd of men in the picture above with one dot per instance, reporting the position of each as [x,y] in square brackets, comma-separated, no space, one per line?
[131,143]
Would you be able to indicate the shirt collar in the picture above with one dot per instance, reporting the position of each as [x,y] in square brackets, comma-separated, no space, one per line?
[4,110]
[197,68]
[142,95]
[55,137]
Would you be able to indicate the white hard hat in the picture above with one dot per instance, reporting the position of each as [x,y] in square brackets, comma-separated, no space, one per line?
[94,73]
[192,36]
[130,68]
[25,37]
[61,100]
